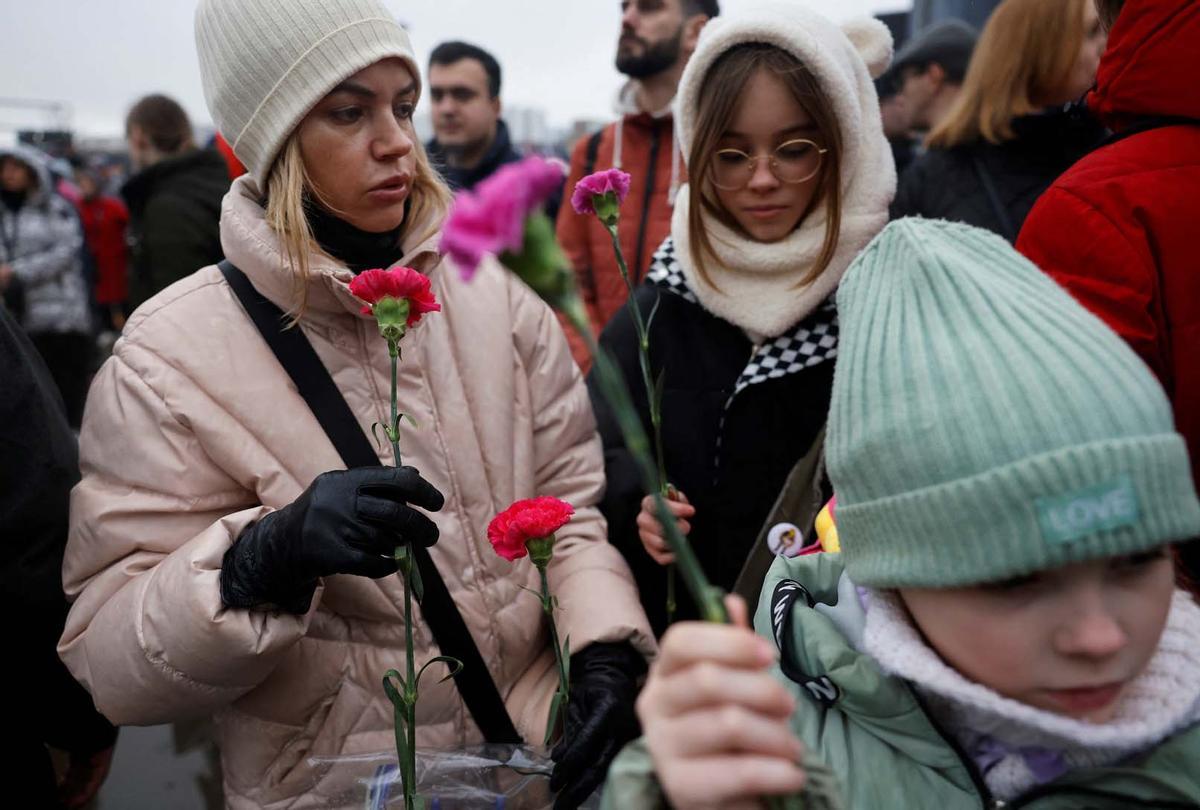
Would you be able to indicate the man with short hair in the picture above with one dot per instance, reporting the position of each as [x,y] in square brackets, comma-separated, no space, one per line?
[657,37]
[1118,229]
[929,71]
[470,138]
[174,198]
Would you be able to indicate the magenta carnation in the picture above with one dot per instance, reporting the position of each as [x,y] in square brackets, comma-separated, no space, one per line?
[531,519]
[491,219]
[599,183]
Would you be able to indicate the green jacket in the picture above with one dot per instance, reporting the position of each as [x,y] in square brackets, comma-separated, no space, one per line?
[870,731]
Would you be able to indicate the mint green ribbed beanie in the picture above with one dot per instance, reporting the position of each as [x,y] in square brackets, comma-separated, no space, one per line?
[983,425]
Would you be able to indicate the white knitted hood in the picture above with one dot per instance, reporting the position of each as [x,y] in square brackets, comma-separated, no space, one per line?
[755,281]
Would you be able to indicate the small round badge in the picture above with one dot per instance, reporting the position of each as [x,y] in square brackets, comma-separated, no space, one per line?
[785,540]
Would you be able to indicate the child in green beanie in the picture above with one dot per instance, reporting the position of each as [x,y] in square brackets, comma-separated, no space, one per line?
[1002,627]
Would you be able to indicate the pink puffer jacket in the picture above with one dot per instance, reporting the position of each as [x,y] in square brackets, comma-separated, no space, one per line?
[193,431]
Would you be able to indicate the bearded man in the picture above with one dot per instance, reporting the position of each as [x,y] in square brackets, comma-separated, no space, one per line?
[657,37]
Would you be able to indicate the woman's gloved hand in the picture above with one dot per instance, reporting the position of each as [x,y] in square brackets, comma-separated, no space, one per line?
[346,522]
[600,719]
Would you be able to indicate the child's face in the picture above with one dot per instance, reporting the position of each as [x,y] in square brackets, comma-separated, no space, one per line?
[768,116]
[1067,640]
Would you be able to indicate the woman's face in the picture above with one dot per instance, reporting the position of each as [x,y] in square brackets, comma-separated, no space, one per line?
[15,176]
[1068,640]
[767,116]
[358,146]
[1087,62]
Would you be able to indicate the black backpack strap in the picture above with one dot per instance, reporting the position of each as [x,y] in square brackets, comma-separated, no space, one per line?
[1151,122]
[593,149]
[327,404]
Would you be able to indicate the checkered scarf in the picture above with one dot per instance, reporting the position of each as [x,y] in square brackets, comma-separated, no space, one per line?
[813,341]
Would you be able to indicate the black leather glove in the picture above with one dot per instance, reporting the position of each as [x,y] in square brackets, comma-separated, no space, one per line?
[346,522]
[600,719]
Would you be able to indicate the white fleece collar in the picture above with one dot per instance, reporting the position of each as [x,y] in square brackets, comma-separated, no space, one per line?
[755,284]
[1161,701]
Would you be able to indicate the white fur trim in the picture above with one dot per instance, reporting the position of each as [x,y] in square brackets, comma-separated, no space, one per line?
[755,282]
[873,41]
[1160,701]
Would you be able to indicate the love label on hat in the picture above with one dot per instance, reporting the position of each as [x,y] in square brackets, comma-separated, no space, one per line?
[785,540]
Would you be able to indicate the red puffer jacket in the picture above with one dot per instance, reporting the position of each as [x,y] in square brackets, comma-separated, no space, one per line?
[1120,229]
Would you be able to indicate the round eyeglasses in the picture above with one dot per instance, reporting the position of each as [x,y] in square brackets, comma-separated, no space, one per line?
[792,162]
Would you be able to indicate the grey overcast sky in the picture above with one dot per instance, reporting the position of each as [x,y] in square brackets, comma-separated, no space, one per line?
[98,56]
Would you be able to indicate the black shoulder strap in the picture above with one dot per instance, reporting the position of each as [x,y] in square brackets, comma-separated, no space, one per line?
[312,379]
[1007,229]
[593,149]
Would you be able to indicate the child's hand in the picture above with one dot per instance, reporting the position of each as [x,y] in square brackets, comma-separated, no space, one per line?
[651,531]
[715,722]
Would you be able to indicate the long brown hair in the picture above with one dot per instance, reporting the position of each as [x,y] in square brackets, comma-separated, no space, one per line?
[723,85]
[1026,50]
[290,190]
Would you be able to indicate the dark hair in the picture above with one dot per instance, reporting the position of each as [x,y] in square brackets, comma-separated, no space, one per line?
[709,8]
[450,52]
[1108,11]
[164,122]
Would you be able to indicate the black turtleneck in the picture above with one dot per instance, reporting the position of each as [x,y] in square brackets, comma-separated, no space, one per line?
[13,200]
[359,249]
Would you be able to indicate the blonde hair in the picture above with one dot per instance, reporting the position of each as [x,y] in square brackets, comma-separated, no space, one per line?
[723,85]
[1026,51]
[290,190]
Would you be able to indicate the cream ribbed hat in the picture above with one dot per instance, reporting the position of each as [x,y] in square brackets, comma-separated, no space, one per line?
[266,63]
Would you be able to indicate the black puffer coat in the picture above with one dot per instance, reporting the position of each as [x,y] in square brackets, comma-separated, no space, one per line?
[736,419]
[38,466]
[948,183]
[175,216]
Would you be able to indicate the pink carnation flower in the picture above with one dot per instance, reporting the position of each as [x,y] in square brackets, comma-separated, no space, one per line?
[599,183]
[400,283]
[491,219]
[531,519]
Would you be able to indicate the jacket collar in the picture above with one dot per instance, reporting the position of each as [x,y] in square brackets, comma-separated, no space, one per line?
[499,153]
[139,187]
[255,249]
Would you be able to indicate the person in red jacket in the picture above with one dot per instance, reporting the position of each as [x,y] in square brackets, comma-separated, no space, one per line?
[1118,229]
[105,220]
[656,40]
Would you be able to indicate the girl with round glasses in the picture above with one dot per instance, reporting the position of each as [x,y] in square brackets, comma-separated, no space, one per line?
[791,177]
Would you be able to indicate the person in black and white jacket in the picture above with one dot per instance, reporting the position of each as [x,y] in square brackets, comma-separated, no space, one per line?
[791,177]
[41,250]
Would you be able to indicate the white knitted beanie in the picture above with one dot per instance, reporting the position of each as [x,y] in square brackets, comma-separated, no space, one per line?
[266,63]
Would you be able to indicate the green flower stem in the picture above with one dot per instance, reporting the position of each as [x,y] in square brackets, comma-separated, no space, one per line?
[403,554]
[394,426]
[612,386]
[652,394]
[564,686]
[410,676]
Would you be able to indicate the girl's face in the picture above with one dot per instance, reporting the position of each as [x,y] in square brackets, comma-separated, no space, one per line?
[358,145]
[766,117]
[1068,640]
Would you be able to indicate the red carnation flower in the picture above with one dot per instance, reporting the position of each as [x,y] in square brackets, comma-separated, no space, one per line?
[400,284]
[531,519]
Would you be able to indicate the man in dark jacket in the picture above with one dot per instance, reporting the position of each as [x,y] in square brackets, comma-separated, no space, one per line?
[45,705]
[174,199]
[1118,229]
[470,138]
